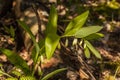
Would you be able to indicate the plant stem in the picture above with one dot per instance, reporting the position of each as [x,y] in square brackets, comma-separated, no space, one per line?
[1,72]
[116,71]
[36,65]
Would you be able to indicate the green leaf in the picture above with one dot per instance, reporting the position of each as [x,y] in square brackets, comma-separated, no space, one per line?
[1,65]
[12,31]
[33,55]
[52,39]
[87,52]
[52,24]
[92,49]
[76,24]
[85,31]
[27,29]
[16,73]
[27,78]
[1,73]
[15,59]
[113,4]
[53,73]
[94,36]
[51,42]
[42,46]
[41,51]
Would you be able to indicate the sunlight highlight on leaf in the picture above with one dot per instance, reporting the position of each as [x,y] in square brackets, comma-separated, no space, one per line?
[86,31]
[51,43]
[76,24]
[53,73]
[92,49]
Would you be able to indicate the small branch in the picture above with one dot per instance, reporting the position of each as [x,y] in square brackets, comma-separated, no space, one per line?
[39,21]
[86,66]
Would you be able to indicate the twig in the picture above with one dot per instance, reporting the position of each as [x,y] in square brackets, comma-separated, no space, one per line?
[38,19]
[86,66]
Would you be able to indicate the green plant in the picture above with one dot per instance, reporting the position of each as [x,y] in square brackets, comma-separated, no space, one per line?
[48,45]
[10,31]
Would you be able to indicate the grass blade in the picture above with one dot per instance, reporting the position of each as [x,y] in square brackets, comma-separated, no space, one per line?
[76,24]
[53,73]
[86,31]
[15,59]
[92,49]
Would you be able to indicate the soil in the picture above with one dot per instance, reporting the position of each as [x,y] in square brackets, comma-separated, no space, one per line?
[72,57]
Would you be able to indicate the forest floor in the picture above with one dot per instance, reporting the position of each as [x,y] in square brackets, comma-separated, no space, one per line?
[79,68]
[73,58]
